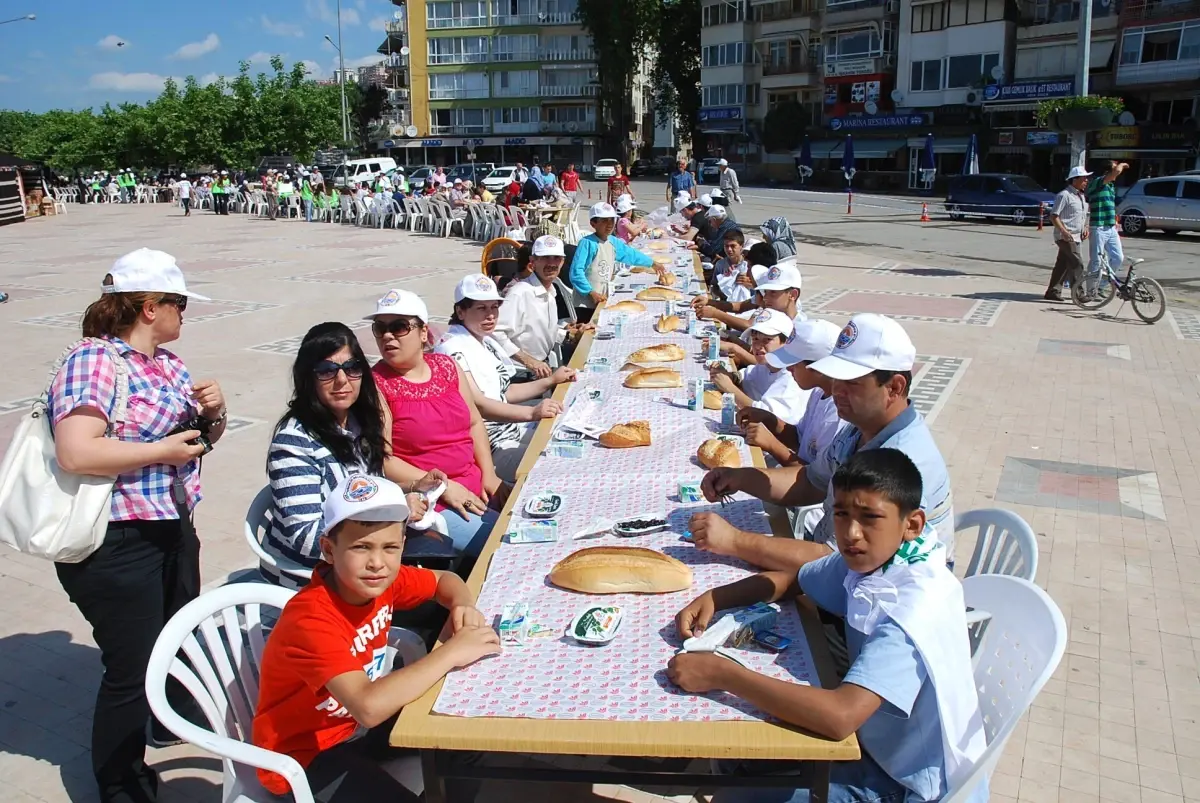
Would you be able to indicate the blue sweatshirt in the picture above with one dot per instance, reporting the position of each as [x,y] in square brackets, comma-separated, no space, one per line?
[585,253]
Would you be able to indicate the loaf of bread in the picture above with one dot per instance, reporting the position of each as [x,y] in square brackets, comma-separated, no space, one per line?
[621,570]
[712,400]
[663,352]
[626,436]
[654,378]
[667,323]
[659,294]
[626,306]
[642,269]
[715,453]
[666,278]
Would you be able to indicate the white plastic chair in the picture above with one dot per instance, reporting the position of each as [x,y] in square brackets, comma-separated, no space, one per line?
[255,527]
[1021,650]
[1005,544]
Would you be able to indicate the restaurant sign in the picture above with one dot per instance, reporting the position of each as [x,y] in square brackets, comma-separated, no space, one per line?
[854,67]
[878,121]
[1030,90]
[723,113]
[1041,137]
[1124,136]
[1159,137]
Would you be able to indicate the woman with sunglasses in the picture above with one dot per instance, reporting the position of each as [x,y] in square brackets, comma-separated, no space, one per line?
[148,566]
[331,429]
[431,422]
[489,371]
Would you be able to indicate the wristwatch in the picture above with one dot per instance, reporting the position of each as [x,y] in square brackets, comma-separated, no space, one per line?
[224,414]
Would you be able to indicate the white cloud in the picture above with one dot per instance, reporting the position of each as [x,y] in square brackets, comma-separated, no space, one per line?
[127,81]
[281,28]
[322,11]
[194,50]
[263,57]
[379,23]
[210,78]
[315,71]
[111,42]
[7,79]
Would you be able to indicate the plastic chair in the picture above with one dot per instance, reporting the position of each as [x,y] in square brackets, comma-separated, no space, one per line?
[255,528]
[1005,543]
[499,261]
[1021,650]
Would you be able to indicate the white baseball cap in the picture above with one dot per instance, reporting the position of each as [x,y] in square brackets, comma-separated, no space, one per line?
[716,211]
[682,201]
[716,193]
[771,322]
[362,498]
[625,204]
[602,210]
[783,275]
[550,246]
[183,175]
[722,163]
[477,287]
[400,302]
[810,341]
[148,271]
[869,342]
[706,200]
[1079,171]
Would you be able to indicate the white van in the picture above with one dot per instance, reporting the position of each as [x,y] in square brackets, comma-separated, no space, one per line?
[362,169]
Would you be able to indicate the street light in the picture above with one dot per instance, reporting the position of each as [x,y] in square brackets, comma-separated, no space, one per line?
[30,17]
[341,76]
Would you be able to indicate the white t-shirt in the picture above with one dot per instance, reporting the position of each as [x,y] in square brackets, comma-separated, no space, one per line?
[491,371]
[775,392]
[818,426]
[185,189]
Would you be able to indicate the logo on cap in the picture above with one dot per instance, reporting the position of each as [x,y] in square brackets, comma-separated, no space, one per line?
[848,335]
[790,338]
[762,316]
[773,274]
[484,284]
[392,298]
[360,489]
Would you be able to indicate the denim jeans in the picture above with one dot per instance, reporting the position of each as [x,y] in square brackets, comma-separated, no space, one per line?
[1109,240]
[861,781]
[308,207]
[471,534]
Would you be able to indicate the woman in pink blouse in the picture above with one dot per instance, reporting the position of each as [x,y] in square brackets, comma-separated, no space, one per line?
[431,421]
[627,229]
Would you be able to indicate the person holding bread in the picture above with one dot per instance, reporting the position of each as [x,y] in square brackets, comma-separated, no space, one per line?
[732,281]
[871,374]
[430,421]
[909,694]
[326,696]
[596,258]
[489,371]
[761,385]
[528,327]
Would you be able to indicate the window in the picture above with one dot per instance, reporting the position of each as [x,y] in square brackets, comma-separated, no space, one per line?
[779,98]
[521,83]
[752,94]
[444,86]
[721,55]
[966,71]
[474,120]
[457,14]
[570,114]
[926,76]
[724,95]
[1189,43]
[928,17]
[722,13]
[1170,112]
[973,12]
[1160,45]
[514,12]
[1131,47]
[457,50]
[520,47]
[1175,42]
[526,115]
[1161,189]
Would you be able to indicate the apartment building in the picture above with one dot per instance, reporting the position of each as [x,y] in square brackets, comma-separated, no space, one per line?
[504,80]
[396,79]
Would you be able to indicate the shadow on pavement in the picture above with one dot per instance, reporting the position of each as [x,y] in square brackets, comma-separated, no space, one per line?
[998,295]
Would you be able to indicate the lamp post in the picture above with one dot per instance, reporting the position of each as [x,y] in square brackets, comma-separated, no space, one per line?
[30,17]
[1079,138]
[341,72]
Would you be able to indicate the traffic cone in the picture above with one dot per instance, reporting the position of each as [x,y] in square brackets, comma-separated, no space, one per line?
[589,195]
[849,203]
[1041,215]
[924,212]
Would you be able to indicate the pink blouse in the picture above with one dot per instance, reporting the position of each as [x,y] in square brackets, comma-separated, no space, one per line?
[431,425]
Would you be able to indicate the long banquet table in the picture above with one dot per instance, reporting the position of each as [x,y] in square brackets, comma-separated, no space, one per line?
[553,696]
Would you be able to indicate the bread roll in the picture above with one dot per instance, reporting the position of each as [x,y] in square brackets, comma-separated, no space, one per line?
[712,400]
[667,323]
[663,352]
[626,306]
[715,453]
[642,269]
[654,378]
[621,570]
[626,436]
[659,294]
[666,279]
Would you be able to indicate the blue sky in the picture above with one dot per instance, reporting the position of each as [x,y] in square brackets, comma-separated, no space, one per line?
[69,57]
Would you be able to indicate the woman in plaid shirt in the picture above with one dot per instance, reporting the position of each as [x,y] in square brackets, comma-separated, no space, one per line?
[149,564]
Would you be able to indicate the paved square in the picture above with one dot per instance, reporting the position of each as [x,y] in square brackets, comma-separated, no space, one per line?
[1186,323]
[365,275]
[1077,486]
[905,306]
[1086,349]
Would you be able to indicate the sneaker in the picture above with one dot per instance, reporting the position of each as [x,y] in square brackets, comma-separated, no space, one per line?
[1053,295]
[159,736]
[3,297]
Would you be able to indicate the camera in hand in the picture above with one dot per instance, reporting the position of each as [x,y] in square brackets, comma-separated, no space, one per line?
[203,426]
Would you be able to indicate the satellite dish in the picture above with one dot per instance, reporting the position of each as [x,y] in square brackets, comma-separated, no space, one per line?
[404,51]
[870,107]
[1127,118]
[398,16]
[411,131]
[998,73]
[897,96]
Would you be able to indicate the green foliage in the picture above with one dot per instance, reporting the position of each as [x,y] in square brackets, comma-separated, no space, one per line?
[228,123]
[621,30]
[677,68]
[784,127]
[365,105]
[1047,109]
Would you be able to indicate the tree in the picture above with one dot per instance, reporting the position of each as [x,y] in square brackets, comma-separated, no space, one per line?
[784,127]
[366,106]
[677,69]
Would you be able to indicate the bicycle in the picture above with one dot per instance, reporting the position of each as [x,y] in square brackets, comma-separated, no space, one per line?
[1144,294]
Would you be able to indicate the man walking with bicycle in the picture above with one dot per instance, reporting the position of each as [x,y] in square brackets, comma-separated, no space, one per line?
[1102,198]
[1070,219]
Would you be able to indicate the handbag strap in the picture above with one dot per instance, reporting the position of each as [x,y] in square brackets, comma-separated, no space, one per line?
[121,382]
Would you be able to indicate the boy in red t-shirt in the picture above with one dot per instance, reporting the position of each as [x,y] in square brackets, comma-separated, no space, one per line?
[323,679]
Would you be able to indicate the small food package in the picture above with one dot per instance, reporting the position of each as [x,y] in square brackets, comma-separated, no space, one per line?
[514,624]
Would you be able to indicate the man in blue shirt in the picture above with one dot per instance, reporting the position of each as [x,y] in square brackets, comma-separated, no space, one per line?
[679,181]
[871,368]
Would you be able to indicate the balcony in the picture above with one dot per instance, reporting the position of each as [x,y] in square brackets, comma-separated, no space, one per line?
[557,127]
[398,97]
[516,19]
[568,91]
[1158,72]
[514,91]
[442,23]
[795,9]
[1139,11]
[841,12]
[396,26]
[515,55]
[560,18]
[457,92]
[789,67]
[587,54]
[458,58]
[460,130]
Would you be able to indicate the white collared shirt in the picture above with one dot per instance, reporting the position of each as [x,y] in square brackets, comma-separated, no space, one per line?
[775,391]
[529,320]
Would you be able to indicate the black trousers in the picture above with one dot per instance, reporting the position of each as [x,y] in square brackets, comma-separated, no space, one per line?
[220,203]
[187,206]
[142,574]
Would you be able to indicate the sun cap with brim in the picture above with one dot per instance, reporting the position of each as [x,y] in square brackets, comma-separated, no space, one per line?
[1078,172]
[400,302]
[602,210]
[359,497]
[705,200]
[548,246]
[869,342]
[624,205]
[771,322]
[722,163]
[810,341]
[716,212]
[148,271]
[783,275]
[477,287]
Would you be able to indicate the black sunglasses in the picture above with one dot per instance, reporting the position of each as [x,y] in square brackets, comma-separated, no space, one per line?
[175,301]
[326,370]
[399,327]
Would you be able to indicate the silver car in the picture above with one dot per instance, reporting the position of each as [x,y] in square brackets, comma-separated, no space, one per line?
[1170,203]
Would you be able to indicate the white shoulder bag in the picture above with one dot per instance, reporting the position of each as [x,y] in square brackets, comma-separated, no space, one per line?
[45,511]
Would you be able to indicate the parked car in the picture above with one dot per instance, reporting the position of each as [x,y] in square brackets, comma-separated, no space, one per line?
[648,167]
[497,180]
[1016,198]
[418,177]
[605,169]
[471,171]
[1171,204]
[362,170]
[709,172]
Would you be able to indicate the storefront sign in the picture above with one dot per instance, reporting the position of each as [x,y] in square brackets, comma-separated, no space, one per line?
[878,121]
[1167,137]
[1004,137]
[431,143]
[856,67]
[1030,90]
[1117,137]
[1041,137]
[725,113]
[387,143]
[514,141]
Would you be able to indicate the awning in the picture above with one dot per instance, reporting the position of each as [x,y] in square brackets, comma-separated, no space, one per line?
[867,148]
[940,144]
[1009,107]
[1101,54]
[1135,153]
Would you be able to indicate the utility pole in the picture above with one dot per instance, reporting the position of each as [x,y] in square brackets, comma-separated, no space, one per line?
[342,68]
[1079,138]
